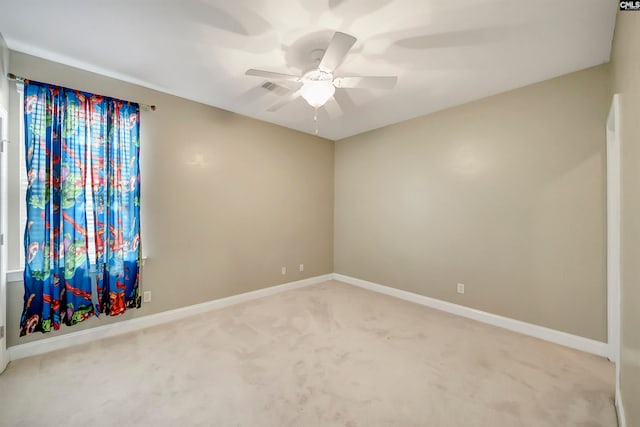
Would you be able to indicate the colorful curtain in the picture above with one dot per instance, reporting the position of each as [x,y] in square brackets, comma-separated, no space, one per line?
[68,135]
[116,190]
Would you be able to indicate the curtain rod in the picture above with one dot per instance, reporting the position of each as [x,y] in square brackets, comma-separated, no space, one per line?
[19,79]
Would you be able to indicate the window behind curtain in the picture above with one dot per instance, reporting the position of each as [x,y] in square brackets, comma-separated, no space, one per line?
[24,182]
[23,177]
[80,146]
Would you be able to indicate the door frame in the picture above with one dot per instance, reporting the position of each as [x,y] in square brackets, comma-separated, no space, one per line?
[4,135]
[614,220]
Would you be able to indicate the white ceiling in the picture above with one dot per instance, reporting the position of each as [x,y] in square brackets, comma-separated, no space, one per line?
[445,52]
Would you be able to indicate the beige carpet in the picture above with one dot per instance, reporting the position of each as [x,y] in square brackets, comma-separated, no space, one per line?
[325,355]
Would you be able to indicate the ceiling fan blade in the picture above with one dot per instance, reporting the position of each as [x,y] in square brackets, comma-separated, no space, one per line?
[338,48]
[271,75]
[344,101]
[278,105]
[372,82]
[333,108]
[289,85]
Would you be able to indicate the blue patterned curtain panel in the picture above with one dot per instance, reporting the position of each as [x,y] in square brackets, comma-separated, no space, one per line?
[72,137]
[116,190]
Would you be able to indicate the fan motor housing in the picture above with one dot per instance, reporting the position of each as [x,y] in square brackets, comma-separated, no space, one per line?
[317,75]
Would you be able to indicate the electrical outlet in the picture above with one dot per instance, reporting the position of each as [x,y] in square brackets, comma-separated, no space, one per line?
[284,270]
[461,288]
[301,267]
[146,296]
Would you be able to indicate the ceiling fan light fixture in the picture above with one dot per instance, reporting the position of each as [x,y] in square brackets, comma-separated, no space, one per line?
[317,85]
[317,93]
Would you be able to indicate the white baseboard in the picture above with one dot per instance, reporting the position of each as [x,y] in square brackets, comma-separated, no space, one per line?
[558,337]
[81,337]
[622,420]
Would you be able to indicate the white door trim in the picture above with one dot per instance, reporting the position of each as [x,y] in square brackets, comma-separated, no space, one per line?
[613,231]
[4,134]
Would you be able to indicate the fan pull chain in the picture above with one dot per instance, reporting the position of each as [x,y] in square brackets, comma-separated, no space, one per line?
[315,119]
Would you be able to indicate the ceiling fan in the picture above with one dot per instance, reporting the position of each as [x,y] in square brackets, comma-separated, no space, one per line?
[319,84]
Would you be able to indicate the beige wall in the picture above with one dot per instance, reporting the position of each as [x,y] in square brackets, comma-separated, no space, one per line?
[264,199]
[505,195]
[626,81]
